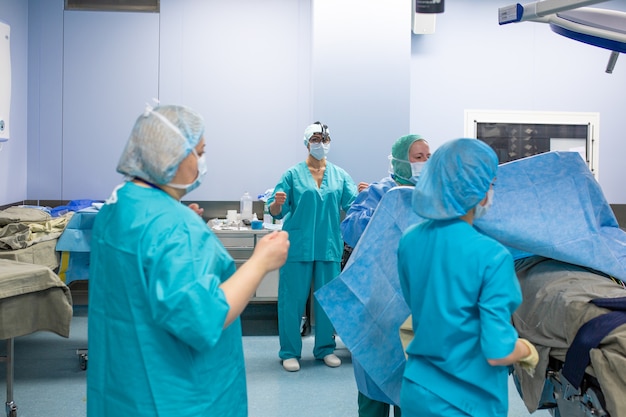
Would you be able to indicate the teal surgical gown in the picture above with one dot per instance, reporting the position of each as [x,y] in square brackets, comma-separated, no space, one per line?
[311,215]
[157,346]
[462,290]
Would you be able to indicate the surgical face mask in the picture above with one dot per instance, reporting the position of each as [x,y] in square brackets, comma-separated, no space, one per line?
[319,150]
[202,170]
[481,210]
[416,169]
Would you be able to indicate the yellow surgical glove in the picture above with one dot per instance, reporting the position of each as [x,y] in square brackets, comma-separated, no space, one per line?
[406,333]
[529,363]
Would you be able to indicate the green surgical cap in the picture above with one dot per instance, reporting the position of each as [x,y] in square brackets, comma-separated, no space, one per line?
[161,138]
[400,153]
[455,179]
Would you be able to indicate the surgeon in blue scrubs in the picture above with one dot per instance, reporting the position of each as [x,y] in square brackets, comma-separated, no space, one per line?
[164,295]
[408,155]
[462,290]
[309,198]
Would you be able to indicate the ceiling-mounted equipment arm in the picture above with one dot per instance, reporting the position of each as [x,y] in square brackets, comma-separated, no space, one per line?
[598,27]
[538,10]
[612,61]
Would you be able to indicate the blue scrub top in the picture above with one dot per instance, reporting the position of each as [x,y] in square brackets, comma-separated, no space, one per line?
[157,346]
[312,214]
[462,290]
[362,210]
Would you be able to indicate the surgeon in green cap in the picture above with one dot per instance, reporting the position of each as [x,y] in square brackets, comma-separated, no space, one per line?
[408,155]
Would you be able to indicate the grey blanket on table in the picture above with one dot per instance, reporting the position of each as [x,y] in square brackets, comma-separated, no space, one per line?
[30,235]
[32,298]
[43,253]
[21,227]
[556,304]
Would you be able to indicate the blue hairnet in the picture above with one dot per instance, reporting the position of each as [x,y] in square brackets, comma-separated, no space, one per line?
[455,179]
[400,153]
[161,138]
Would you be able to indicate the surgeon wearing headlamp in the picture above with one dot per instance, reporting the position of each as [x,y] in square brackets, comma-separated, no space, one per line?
[309,198]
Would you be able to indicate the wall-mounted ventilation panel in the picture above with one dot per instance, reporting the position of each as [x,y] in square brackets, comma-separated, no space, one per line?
[114,5]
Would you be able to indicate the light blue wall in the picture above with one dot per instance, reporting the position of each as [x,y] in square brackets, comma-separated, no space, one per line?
[45,100]
[13,152]
[259,72]
[361,79]
[110,70]
[245,66]
[473,63]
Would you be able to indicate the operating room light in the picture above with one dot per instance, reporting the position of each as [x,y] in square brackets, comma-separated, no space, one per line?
[598,27]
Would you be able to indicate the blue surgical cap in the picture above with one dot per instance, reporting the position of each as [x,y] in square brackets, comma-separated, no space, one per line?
[161,138]
[455,179]
[400,153]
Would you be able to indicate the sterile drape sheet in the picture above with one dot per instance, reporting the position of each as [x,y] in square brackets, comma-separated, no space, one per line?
[365,303]
[548,205]
[551,205]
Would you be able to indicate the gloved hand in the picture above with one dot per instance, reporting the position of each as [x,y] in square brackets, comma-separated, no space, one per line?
[529,363]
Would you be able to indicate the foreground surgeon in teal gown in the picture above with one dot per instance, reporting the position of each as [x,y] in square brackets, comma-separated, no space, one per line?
[164,296]
[462,290]
[310,197]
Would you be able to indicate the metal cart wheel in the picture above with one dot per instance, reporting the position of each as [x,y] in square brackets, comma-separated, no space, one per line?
[82,358]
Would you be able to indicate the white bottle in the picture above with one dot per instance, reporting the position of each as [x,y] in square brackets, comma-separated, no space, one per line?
[245,207]
[267,217]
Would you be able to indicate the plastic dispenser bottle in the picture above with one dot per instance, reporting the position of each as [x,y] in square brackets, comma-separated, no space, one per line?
[245,207]
[267,217]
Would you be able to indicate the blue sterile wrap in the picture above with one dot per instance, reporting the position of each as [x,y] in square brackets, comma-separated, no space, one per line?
[365,303]
[551,205]
[547,205]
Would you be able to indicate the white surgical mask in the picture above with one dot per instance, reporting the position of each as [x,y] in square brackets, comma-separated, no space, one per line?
[202,170]
[481,210]
[416,169]
[319,150]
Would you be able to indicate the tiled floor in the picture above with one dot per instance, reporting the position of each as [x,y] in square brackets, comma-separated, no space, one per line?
[50,383]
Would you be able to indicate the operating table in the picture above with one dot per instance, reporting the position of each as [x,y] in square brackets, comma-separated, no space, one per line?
[574,316]
[32,298]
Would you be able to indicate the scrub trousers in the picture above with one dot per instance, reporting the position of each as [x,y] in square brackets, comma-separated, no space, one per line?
[294,288]
[373,408]
[417,401]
